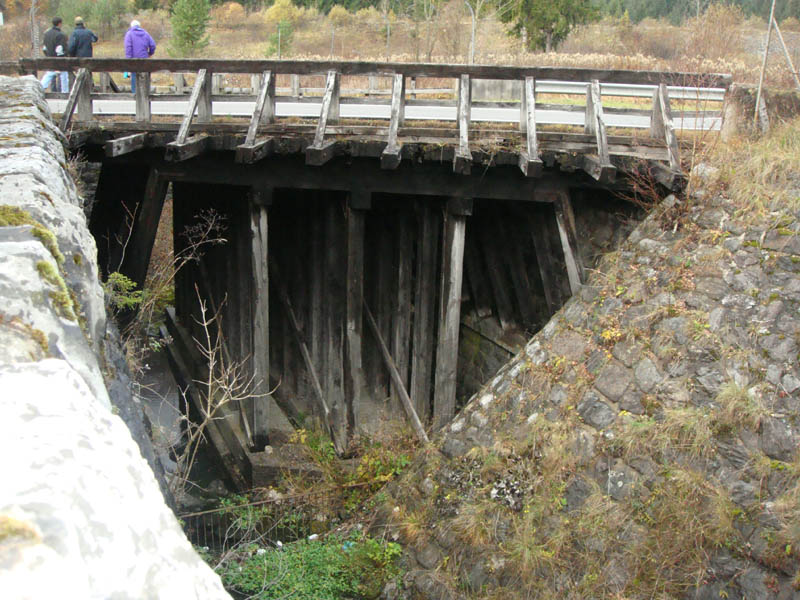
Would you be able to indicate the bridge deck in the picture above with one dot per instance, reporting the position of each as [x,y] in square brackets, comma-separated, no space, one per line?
[357,122]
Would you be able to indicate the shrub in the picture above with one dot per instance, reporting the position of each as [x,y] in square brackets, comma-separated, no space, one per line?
[716,33]
[280,42]
[339,17]
[283,11]
[229,15]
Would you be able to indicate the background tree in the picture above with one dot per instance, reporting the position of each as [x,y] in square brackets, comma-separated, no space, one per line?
[547,22]
[189,21]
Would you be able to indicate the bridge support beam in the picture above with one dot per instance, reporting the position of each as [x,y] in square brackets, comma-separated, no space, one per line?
[355,384]
[453,235]
[258,416]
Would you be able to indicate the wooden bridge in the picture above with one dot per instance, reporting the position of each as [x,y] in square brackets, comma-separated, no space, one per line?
[339,221]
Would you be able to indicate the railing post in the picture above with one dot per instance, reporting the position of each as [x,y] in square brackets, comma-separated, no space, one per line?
[142,96]
[85,99]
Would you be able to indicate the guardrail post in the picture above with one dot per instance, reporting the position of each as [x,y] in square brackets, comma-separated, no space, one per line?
[85,99]
[142,96]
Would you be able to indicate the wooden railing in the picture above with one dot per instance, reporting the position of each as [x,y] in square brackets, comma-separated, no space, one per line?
[199,108]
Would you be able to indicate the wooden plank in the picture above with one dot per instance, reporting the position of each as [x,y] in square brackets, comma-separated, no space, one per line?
[495,267]
[76,92]
[191,147]
[391,155]
[565,220]
[529,161]
[258,412]
[397,380]
[519,273]
[254,149]
[320,152]
[335,317]
[125,145]
[191,107]
[424,311]
[476,277]
[264,111]
[383,298]
[598,166]
[274,273]
[142,96]
[313,67]
[355,384]
[662,127]
[544,258]
[444,395]
[401,325]
[205,101]
[84,103]
[462,161]
[139,248]
[316,291]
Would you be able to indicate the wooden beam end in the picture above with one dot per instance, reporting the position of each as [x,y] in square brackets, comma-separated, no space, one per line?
[602,172]
[462,162]
[250,153]
[193,146]
[391,157]
[318,155]
[530,167]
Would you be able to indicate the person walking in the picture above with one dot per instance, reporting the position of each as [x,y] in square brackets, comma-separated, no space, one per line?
[138,44]
[55,44]
[81,40]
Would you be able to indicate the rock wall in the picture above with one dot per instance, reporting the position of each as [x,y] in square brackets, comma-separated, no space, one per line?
[80,509]
[645,442]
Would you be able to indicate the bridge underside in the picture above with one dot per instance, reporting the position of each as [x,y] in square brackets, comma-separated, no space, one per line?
[343,289]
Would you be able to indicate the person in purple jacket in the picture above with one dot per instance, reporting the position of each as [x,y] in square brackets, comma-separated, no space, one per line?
[138,44]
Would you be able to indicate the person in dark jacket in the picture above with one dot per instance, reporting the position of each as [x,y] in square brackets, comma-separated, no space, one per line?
[55,44]
[81,40]
[138,44]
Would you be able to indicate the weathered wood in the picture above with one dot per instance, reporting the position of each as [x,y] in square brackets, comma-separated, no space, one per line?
[264,111]
[476,278]
[391,155]
[81,81]
[142,96]
[105,83]
[397,380]
[320,152]
[124,145]
[335,316]
[311,67]
[84,103]
[544,259]
[250,153]
[258,412]
[295,82]
[186,123]
[316,291]
[661,126]
[424,311]
[191,147]
[598,166]
[383,298]
[354,384]
[519,274]
[401,324]
[205,102]
[444,395]
[462,161]
[274,273]
[529,161]
[569,241]
[495,269]
[136,257]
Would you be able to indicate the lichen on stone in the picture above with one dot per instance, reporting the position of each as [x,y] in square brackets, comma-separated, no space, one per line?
[16,531]
[61,296]
[13,216]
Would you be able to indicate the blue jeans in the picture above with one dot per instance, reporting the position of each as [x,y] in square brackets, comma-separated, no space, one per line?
[50,75]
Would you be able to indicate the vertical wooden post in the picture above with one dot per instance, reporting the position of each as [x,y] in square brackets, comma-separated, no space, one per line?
[401,329]
[424,311]
[544,259]
[142,95]
[258,415]
[143,235]
[204,111]
[105,82]
[295,82]
[355,387]
[453,233]
[85,99]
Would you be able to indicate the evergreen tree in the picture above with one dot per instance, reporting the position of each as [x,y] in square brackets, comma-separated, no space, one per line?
[189,21]
[547,22]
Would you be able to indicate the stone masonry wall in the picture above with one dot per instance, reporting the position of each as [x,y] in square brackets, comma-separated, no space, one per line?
[81,513]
